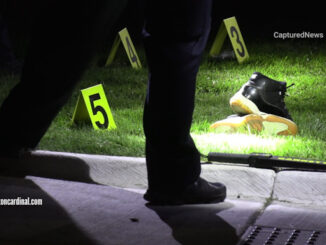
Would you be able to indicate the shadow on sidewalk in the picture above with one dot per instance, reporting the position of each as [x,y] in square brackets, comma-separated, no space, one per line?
[49,165]
[48,223]
[198,224]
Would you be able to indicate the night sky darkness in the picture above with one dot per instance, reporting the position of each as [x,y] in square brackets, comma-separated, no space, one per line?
[255,21]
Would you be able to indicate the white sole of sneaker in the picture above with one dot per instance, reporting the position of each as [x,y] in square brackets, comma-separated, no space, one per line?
[242,105]
[251,122]
[266,124]
[275,125]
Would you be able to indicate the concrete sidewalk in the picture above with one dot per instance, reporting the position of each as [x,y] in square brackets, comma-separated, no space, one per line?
[96,199]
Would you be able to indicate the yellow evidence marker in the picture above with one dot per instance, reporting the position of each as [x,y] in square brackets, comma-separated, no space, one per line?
[92,105]
[124,36]
[230,27]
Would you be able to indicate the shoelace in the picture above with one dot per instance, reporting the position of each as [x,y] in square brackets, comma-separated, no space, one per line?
[290,86]
[283,103]
[283,93]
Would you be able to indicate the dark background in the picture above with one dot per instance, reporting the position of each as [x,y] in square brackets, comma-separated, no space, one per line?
[256,21]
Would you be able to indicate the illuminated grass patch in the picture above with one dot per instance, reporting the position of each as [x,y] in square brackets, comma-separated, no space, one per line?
[302,63]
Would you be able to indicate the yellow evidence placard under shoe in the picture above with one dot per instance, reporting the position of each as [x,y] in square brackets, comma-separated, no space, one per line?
[230,27]
[92,105]
[124,36]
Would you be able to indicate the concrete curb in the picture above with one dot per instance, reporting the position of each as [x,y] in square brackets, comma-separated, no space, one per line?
[289,200]
[288,187]
[130,172]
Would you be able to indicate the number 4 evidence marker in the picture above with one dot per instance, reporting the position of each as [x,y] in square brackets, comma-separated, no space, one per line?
[124,36]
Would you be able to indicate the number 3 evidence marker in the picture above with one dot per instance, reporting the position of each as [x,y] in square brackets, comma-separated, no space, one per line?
[92,105]
[230,27]
[129,47]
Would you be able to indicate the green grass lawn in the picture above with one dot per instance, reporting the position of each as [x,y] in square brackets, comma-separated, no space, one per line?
[299,62]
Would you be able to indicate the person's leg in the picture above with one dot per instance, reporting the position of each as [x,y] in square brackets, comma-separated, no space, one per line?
[175,36]
[7,57]
[62,46]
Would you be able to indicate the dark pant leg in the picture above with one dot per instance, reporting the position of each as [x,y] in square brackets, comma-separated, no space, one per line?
[7,56]
[175,36]
[62,46]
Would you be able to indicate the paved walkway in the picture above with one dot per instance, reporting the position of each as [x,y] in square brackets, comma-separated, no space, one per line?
[95,199]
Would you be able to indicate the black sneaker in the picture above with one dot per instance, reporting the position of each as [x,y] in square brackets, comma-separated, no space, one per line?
[197,193]
[261,94]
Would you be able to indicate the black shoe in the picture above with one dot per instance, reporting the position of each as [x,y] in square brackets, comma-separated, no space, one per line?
[261,94]
[197,193]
